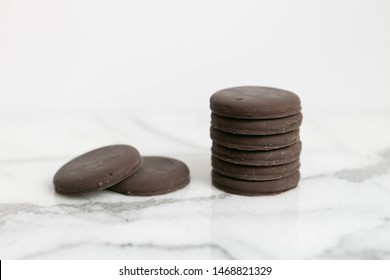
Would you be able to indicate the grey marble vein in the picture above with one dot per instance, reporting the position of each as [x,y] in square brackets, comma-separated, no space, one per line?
[8,209]
[362,174]
[183,248]
[345,249]
[358,175]
[46,252]
[346,254]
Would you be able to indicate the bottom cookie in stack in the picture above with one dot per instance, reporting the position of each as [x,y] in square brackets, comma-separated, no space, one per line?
[251,188]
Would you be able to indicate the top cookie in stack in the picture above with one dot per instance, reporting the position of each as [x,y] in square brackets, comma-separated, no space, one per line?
[256,146]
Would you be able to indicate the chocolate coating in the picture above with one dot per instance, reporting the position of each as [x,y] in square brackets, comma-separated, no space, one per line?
[254,142]
[156,175]
[252,188]
[256,127]
[251,102]
[97,169]
[254,173]
[258,158]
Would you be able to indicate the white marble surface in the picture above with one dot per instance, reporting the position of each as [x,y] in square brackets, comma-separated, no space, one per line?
[341,209]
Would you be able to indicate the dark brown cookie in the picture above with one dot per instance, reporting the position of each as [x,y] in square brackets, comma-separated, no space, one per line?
[254,173]
[156,175]
[251,188]
[258,158]
[250,102]
[97,169]
[254,142]
[256,127]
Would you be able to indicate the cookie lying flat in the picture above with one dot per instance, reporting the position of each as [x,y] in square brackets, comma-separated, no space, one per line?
[254,142]
[156,175]
[256,127]
[97,169]
[254,173]
[258,158]
[243,187]
[251,102]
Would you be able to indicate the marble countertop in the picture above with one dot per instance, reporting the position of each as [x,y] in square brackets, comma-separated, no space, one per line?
[340,210]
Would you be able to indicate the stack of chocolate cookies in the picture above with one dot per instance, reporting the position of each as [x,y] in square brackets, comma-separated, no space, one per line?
[256,145]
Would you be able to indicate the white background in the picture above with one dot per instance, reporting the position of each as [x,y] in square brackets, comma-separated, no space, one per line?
[152,56]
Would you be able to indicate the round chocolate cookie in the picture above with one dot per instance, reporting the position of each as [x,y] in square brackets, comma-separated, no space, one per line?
[156,175]
[254,142]
[258,158]
[243,187]
[254,173]
[250,102]
[256,127]
[97,169]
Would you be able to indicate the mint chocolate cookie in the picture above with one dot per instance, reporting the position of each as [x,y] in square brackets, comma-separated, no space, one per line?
[156,175]
[256,127]
[258,158]
[251,188]
[97,169]
[251,102]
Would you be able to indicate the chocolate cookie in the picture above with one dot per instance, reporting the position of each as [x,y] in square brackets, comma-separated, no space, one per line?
[97,169]
[258,158]
[251,188]
[254,173]
[250,102]
[256,127]
[156,175]
[254,142]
